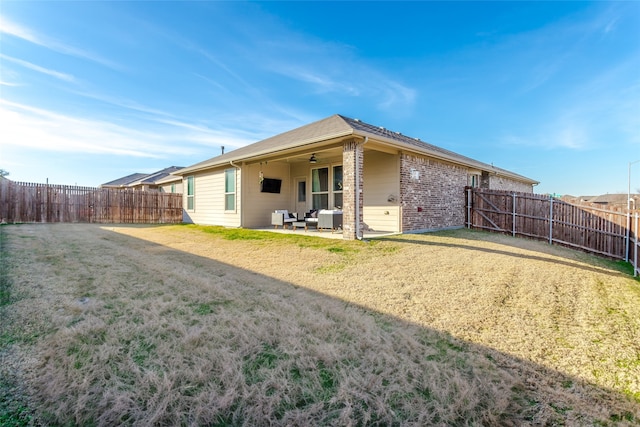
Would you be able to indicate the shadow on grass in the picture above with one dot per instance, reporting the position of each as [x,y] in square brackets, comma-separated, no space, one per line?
[353,378]
[617,268]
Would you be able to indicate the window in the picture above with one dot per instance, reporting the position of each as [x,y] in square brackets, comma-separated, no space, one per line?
[320,188]
[337,187]
[474,181]
[230,190]
[302,191]
[173,188]
[190,193]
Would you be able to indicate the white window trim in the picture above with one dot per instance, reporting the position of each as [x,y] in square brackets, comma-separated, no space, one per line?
[192,196]
[331,201]
[334,192]
[234,192]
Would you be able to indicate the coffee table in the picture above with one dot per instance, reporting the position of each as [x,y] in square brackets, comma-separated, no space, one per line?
[304,224]
[296,224]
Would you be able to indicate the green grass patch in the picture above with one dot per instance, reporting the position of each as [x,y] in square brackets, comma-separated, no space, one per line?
[303,241]
[337,250]
[257,366]
[625,416]
[331,268]
[445,350]
[5,296]
[142,352]
[238,233]
[14,412]
[623,267]
[205,308]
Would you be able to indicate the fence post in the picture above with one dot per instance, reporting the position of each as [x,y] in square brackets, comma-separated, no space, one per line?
[513,231]
[551,220]
[635,248]
[628,236]
[469,198]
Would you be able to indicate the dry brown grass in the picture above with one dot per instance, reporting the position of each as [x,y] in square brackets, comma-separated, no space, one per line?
[180,325]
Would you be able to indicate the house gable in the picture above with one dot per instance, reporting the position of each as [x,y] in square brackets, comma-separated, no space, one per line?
[338,127]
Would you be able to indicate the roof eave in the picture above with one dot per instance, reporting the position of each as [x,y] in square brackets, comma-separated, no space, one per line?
[228,158]
[213,163]
[445,157]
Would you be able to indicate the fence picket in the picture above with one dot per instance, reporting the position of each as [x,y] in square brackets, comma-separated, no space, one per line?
[30,202]
[591,228]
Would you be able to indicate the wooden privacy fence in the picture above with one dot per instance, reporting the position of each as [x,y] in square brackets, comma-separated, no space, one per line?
[28,202]
[608,232]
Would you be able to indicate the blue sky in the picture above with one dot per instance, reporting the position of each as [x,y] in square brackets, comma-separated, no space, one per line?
[93,91]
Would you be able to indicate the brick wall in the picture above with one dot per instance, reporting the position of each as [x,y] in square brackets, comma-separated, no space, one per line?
[432,193]
[352,154]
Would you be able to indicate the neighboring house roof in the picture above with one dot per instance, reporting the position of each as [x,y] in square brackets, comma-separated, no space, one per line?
[612,199]
[136,179]
[124,181]
[619,200]
[335,127]
[169,178]
[153,178]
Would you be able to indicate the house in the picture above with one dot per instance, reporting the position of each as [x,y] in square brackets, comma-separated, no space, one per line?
[615,200]
[161,180]
[170,184]
[380,180]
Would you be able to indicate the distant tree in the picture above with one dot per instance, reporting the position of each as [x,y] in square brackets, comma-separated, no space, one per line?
[3,173]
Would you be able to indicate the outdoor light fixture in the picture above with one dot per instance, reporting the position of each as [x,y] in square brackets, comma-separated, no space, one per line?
[313,159]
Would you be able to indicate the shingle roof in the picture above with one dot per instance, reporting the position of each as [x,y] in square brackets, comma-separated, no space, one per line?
[619,199]
[337,126]
[156,176]
[328,128]
[141,178]
[121,182]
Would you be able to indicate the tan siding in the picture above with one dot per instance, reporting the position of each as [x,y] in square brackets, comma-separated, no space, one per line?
[381,182]
[166,188]
[506,184]
[258,206]
[209,200]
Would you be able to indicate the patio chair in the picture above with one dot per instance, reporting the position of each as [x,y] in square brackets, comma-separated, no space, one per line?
[283,218]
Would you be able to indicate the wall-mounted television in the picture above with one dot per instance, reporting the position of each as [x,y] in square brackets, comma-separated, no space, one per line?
[270,185]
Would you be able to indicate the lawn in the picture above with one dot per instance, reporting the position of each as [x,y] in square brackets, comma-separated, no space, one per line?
[189,325]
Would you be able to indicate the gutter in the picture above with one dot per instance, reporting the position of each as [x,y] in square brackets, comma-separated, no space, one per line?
[358,232]
[457,161]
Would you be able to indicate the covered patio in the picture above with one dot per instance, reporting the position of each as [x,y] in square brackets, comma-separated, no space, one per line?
[324,234]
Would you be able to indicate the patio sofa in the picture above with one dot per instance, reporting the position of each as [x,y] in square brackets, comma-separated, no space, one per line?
[283,218]
[329,219]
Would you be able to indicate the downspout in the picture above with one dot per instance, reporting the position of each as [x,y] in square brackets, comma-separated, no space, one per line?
[241,193]
[358,233]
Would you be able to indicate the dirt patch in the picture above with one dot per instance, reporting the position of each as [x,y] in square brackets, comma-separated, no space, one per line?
[179,325]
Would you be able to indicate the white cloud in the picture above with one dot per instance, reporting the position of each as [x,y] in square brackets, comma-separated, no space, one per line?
[16,30]
[26,126]
[43,70]
[203,135]
[6,83]
[232,134]
[348,79]
[10,28]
